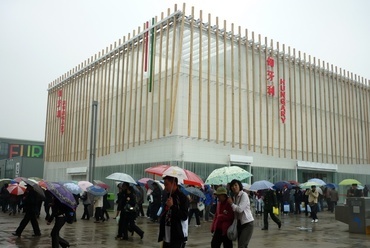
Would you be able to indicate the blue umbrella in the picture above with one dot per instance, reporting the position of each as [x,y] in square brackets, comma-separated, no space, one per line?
[96,190]
[332,185]
[73,188]
[280,185]
[195,191]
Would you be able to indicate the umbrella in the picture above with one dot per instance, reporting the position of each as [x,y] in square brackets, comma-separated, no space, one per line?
[35,187]
[260,185]
[293,182]
[319,190]
[42,184]
[122,177]
[101,184]
[183,176]
[96,190]
[246,186]
[225,174]
[331,185]
[73,188]
[4,181]
[19,179]
[318,181]
[16,189]
[151,182]
[280,185]
[84,184]
[349,181]
[62,194]
[307,185]
[37,179]
[195,191]
[144,181]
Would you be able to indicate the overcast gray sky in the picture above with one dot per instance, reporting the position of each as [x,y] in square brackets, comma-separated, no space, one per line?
[41,40]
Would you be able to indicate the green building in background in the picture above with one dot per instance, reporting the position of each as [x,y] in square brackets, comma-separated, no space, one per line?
[21,158]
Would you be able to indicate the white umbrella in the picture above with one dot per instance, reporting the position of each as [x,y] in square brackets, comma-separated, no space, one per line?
[318,181]
[260,185]
[122,177]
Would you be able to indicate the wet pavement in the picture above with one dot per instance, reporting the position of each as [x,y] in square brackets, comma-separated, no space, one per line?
[296,231]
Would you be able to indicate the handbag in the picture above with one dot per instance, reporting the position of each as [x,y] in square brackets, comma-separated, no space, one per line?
[275,210]
[232,231]
[200,206]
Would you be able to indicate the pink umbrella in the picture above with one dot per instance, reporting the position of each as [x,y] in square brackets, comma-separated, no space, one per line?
[84,185]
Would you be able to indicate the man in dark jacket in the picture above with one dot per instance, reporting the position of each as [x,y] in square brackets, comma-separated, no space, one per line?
[30,206]
[269,198]
[173,229]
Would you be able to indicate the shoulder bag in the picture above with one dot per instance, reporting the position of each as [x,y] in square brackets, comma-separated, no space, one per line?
[232,231]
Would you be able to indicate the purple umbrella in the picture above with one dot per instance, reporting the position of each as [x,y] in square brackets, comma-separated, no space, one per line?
[63,194]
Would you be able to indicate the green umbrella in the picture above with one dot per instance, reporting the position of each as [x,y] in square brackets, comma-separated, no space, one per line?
[349,181]
[225,174]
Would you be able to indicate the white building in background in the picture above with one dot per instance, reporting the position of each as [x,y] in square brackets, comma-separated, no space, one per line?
[193,91]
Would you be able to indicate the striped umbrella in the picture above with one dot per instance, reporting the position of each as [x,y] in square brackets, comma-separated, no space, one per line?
[16,189]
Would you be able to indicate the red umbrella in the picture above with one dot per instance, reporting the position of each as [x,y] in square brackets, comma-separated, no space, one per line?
[191,177]
[16,189]
[101,184]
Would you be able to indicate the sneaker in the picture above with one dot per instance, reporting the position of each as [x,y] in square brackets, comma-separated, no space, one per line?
[312,221]
[316,220]
[197,225]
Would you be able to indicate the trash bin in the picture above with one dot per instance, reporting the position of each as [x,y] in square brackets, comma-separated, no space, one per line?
[110,199]
[359,214]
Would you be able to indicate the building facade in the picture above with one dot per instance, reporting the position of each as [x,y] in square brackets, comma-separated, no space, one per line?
[189,90]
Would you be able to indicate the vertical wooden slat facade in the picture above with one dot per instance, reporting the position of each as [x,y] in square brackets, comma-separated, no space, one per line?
[209,83]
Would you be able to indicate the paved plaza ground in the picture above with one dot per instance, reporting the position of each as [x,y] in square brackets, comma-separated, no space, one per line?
[296,231]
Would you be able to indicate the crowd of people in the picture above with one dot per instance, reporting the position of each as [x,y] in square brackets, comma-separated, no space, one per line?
[173,209]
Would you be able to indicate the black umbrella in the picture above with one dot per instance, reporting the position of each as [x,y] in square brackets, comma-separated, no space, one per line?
[35,186]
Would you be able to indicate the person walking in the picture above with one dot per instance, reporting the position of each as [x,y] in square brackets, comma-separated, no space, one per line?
[334,197]
[269,198]
[240,204]
[208,202]
[140,201]
[58,213]
[106,205]
[4,197]
[222,220]
[298,198]
[98,205]
[86,202]
[173,223]
[193,210]
[30,205]
[128,215]
[313,196]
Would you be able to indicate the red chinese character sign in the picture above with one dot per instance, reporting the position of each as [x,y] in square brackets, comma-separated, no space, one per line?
[270,62]
[270,88]
[61,111]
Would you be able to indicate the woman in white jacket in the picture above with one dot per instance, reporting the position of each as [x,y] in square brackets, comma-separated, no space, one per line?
[241,206]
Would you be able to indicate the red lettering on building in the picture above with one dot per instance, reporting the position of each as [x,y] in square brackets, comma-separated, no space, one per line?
[282,100]
[270,63]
